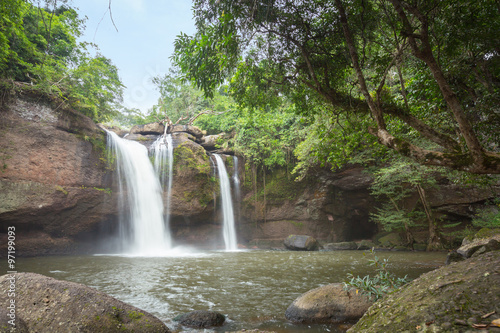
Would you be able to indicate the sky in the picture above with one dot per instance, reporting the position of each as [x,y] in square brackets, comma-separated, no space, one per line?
[143,43]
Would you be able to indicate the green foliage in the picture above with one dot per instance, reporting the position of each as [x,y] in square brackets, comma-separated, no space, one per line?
[333,142]
[298,50]
[178,99]
[489,216]
[38,46]
[207,58]
[395,184]
[379,285]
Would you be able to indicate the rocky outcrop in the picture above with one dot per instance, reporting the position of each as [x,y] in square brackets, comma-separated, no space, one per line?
[460,297]
[328,304]
[209,142]
[324,207]
[190,129]
[193,193]
[301,243]
[148,129]
[45,304]
[485,240]
[55,188]
[201,319]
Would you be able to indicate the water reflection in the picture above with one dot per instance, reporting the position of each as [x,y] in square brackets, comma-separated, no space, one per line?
[252,288]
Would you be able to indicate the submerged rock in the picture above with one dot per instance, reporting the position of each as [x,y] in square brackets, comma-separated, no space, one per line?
[49,305]
[459,297]
[301,243]
[201,319]
[328,304]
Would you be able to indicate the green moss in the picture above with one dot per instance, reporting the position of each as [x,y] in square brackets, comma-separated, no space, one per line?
[61,189]
[402,146]
[185,158]
[106,190]
[459,160]
[280,188]
[297,224]
[99,145]
[134,315]
[230,162]
[486,232]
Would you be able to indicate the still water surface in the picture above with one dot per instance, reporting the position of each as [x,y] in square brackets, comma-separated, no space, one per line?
[252,288]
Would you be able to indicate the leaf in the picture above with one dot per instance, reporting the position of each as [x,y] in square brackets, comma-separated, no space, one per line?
[488,314]
[496,323]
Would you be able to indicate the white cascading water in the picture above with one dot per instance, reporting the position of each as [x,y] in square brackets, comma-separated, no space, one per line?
[163,151]
[236,182]
[229,230]
[142,226]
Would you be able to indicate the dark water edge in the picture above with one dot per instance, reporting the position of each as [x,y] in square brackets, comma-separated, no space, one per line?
[252,288]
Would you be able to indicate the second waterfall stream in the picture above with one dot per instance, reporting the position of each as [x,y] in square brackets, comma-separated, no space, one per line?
[229,230]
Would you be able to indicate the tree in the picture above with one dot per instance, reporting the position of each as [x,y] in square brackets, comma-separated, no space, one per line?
[363,57]
[397,183]
[39,48]
[178,99]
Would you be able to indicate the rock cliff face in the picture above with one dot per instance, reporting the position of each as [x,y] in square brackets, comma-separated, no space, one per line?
[54,186]
[331,208]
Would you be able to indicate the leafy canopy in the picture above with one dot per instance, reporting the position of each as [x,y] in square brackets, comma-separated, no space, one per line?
[38,46]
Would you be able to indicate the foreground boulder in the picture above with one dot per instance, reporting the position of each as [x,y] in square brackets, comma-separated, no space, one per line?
[45,304]
[301,243]
[328,304]
[460,297]
[201,319]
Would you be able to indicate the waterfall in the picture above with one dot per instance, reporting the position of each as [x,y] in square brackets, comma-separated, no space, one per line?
[163,151]
[142,228]
[229,230]
[236,182]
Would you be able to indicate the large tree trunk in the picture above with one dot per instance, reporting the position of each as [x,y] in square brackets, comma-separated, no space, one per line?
[434,242]
[424,53]
[476,161]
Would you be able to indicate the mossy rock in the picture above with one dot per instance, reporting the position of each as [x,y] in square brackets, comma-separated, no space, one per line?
[452,298]
[366,245]
[391,240]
